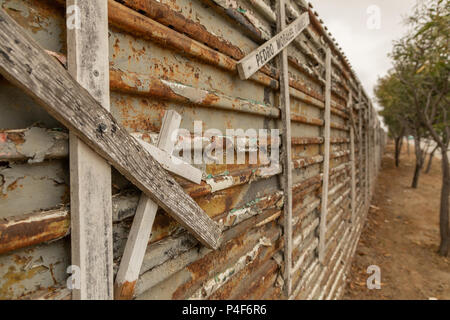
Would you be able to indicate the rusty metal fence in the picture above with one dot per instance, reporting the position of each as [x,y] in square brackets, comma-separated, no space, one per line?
[182,55]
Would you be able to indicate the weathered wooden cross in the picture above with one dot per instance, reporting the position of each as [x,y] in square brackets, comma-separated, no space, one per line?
[139,235]
[24,63]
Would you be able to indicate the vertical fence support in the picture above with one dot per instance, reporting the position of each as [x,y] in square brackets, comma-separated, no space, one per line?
[372,151]
[90,175]
[326,160]
[352,158]
[367,173]
[285,107]
[360,145]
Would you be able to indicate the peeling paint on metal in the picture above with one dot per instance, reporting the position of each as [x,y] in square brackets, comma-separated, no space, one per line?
[220,279]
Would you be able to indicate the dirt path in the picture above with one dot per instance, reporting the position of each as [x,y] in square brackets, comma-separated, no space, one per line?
[402,236]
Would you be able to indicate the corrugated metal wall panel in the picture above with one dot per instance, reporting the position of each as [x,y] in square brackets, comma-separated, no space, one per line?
[190,67]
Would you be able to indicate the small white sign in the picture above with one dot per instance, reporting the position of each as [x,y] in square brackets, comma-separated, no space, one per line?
[260,56]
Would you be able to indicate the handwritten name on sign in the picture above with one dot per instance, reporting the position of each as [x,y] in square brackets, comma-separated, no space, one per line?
[260,56]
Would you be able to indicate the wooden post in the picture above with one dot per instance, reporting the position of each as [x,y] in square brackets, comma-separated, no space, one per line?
[285,107]
[352,158]
[360,142]
[371,151]
[25,64]
[326,160]
[367,158]
[90,174]
[140,231]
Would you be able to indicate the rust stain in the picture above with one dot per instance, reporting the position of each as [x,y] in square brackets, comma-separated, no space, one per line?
[126,19]
[17,138]
[13,186]
[130,82]
[307,120]
[13,277]
[200,268]
[124,291]
[163,14]
[31,230]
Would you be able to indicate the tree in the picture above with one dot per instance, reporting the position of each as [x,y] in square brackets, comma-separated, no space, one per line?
[430,161]
[421,63]
[400,118]
[389,100]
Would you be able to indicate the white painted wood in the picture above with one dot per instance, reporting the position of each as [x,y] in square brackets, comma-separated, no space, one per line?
[135,248]
[266,52]
[168,133]
[326,161]
[172,163]
[140,231]
[90,174]
[352,160]
[367,146]
[360,141]
[285,106]
[166,144]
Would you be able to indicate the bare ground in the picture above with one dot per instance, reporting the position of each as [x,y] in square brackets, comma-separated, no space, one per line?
[401,236]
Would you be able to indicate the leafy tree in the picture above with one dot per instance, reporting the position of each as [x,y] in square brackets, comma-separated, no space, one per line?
[422,65]
[388,98]
[401,118]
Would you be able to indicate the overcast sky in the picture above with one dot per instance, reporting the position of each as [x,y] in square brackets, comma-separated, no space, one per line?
[367,48]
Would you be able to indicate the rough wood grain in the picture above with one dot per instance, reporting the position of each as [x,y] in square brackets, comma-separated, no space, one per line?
[285,106]
[25,64]
[90,174]
[326,160]
[367,163]
[360,147]
[352,160]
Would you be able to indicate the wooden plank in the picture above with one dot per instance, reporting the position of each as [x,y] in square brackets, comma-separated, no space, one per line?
[372,151]
[285,106]
[25,64]
[266,52]
[352,118]
[172,163]
[169,129]
[90,174]
[140,231]
[360,140]
[352,160]
[367,145]
[326,161]
[135,248]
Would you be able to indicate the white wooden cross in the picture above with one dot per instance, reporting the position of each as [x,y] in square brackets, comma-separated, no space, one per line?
[140,231]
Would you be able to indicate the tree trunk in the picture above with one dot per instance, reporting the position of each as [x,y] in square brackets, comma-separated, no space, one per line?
[419,162]
[398,149]
[444,248]
[407,144]
[430,160]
